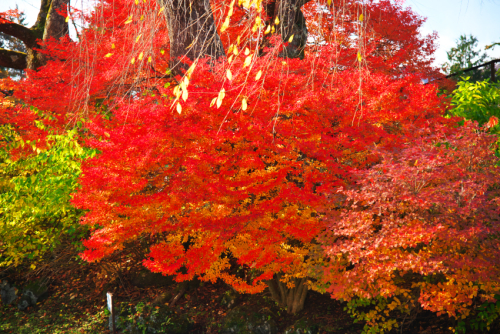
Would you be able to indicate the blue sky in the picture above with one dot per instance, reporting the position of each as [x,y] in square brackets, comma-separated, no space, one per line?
[450,18]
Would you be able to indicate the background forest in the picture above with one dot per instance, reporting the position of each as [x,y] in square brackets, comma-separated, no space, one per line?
[250,166]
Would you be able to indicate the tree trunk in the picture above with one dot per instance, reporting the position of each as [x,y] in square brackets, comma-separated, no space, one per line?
[48,24]
[191,28]
[192,32]
[291,299]
[291,23]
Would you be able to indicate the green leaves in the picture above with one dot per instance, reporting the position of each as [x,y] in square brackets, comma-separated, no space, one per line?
[35,193]
[476,101]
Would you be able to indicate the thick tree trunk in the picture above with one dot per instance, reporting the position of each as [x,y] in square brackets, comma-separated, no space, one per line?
[292,299]
[190,23]
[48,24]
[192,31]
[291,23]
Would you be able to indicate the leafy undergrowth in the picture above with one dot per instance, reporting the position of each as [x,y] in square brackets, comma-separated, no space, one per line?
[75,301]
[75,304]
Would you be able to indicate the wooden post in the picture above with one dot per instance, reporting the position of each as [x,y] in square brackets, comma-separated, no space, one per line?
[111,309]
[492,67]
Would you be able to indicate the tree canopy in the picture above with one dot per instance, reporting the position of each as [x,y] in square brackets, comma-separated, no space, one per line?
[292,138]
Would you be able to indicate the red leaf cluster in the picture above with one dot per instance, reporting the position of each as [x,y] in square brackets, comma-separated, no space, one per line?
[428,209]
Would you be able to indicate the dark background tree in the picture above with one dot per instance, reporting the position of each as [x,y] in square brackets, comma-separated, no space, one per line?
[49,24]
[191,26]
[11,43]
[464,55]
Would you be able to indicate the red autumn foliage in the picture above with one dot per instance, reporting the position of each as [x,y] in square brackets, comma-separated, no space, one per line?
[249,180]
[246,184]
[429,212]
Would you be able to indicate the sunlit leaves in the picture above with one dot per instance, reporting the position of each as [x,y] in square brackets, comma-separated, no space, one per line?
[258,75]
[248,61]
[220,97]
[35,200]
[424,211]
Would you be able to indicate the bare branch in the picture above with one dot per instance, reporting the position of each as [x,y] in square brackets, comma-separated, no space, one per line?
[13,59]
[20,32]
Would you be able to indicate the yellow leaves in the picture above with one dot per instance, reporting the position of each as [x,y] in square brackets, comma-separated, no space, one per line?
[230,12]
[185,82]
[189,72]
[290,39]
[141,55]
[149,59]
[108,55]
[161,10]
[248,60]
[230,59]
[268,29]
[213,101]
[68,18]
[247,51]
[276,21]
[181,90]
[329,2]
[361,18]
[136,2]
[225,25]
[257,24]
[129,20]
[259,74]
[229,75]
[138,37]
[244,104]
[244,3]
[162,52]
[33,266]
[179,108]
[359,57]
[113,45]
[235,51]
[220,97]
[132,61]
[177,91]
[184,95]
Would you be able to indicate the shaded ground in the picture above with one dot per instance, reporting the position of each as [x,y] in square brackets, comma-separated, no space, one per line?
[75,303]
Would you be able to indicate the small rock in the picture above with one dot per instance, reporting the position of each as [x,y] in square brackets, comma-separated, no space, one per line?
[8,293]
[32,293]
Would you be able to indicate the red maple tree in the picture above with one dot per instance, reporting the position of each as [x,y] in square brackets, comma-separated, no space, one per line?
[426,217]
[232,158]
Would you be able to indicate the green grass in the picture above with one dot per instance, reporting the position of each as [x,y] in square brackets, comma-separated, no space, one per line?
[64,318]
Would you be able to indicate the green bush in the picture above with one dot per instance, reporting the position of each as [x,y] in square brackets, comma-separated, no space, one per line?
[477,101]
[35,192]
